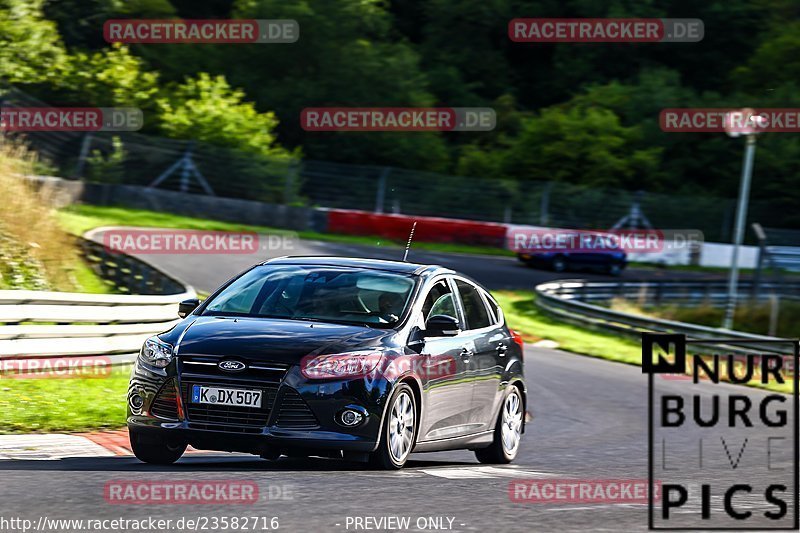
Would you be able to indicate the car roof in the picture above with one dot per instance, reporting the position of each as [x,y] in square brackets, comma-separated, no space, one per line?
[400,267]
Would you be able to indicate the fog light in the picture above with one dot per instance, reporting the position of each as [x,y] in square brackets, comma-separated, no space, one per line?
[351,417]
[137,401]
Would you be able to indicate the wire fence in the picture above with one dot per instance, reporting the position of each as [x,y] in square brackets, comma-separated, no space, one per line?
[145,160]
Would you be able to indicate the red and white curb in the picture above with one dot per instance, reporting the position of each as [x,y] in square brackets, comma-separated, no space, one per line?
[49,447]
[53,446]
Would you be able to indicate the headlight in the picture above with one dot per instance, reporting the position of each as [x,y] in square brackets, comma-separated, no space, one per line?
[156,352]
[346,365]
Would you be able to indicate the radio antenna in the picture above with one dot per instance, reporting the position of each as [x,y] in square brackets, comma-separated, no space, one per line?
[410,238]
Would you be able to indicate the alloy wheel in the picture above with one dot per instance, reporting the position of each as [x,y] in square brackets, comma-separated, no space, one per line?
[511,428]
[401,427]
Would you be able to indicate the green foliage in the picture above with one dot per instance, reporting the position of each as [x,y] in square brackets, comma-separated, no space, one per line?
[31,50]
[582,114]
[108,168]
[207,109]
[110,77]
[575,144]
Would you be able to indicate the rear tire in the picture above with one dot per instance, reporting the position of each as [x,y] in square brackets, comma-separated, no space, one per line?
[507,432]
[155,450]
[399,431]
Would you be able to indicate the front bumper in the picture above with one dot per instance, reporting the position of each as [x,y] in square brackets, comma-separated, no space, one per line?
[297,415]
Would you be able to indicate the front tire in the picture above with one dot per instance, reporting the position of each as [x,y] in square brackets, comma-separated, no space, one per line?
[155,450]
[399,431]
[507,432]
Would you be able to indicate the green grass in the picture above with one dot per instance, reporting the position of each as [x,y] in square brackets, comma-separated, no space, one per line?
[78,219]
[86,280]
[524,316]
[751,317]
[63,404]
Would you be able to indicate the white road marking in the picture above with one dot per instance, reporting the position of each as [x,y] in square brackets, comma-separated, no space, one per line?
[49,447]
[590,507]
[485,472]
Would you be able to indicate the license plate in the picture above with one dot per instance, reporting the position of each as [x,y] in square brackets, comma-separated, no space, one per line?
[223,396]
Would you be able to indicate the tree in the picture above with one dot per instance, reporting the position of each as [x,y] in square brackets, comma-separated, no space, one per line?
[110,77]
[207,109]
[31,50]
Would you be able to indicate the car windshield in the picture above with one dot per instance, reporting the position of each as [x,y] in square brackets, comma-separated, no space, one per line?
[325,294]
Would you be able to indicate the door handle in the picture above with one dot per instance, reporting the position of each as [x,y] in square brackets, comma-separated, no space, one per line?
[502,349]
[466,354]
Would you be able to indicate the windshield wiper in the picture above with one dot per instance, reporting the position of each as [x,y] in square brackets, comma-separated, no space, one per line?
[332,321]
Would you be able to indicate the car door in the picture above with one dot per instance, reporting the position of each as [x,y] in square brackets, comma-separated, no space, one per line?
[447,392]
[488,342]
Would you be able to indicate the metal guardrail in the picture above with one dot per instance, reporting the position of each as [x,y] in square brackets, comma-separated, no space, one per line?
[672,291]
[785,257]
[38,324]
[568,300]
[128,274]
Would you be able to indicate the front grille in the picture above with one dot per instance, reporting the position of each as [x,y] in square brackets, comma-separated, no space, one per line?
[228,417]
[206,366]
[165,404]
[294,412]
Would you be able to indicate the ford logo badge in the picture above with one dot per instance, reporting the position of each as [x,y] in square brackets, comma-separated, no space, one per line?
[231,366]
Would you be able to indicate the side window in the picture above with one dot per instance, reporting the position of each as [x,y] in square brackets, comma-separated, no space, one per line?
[439,302]
[496,314]
[474,308]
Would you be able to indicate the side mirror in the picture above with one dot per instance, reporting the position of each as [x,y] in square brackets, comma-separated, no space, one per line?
[441,326]
[187,306]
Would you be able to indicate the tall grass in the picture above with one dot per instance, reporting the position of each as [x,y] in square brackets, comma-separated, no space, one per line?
[35,253]
[751,317]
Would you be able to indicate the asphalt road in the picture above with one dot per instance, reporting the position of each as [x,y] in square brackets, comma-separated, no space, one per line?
[589,422]
[207,272]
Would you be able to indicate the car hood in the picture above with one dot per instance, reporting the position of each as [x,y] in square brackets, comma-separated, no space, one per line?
[274,340]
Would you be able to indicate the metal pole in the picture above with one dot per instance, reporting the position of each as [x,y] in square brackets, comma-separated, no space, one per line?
[288,184]
[87,141]
[738,237]
[380,196]
[2,131]
[186,169]
[544,206]
[774,309]
[762,245]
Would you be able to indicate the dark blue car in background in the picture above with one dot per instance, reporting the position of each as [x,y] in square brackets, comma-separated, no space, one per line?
[610,262]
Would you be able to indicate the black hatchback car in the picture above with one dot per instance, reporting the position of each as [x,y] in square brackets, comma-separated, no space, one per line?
[361,359]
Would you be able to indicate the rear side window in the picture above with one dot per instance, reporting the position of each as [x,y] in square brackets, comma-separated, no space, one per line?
[495,313]
[474,308]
